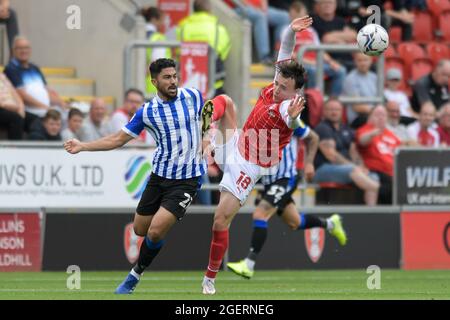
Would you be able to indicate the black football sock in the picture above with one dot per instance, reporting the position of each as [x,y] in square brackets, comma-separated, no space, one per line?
[149,250]
[308,221]
[259,236]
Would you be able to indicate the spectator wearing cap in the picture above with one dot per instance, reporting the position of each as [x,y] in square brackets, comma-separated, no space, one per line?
[433,87]
[444,125]
[424,130]
[394,124]
[392,93]
[74,124]
[48,128]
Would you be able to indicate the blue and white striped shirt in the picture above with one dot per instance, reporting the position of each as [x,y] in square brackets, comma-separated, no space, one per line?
[287,167]
[175,126]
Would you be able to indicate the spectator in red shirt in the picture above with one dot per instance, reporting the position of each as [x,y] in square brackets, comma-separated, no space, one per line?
[334,71]
[377,144]
[444,125]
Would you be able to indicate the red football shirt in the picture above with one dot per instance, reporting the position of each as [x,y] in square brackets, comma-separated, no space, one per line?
[378,155]
[265,132]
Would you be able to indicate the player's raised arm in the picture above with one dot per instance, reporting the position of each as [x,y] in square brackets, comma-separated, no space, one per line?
[110,142]
[288,38]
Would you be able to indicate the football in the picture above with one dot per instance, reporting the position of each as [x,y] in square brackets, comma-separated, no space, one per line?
[372,39]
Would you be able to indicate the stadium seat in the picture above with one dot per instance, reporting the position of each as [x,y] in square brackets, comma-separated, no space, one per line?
[395,35]
[315,106]
[444,25]
[390,52]
[422,27]
[331,193]
[409,51]
[437,51]
[437,6]
[420,67]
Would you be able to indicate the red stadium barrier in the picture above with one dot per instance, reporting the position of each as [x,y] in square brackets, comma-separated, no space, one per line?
[425,240]
[20,242]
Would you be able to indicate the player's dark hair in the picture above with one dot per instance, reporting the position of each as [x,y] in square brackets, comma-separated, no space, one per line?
[158,65]
[292,69]
[75,112]
[151,13]
[133,90]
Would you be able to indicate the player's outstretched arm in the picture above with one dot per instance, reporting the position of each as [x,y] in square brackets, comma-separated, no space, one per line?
[288,38]
[110,142]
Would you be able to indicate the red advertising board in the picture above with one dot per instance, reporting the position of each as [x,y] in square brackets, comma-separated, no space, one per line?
[425,240]
[194,66]
[175,10]
[20,242]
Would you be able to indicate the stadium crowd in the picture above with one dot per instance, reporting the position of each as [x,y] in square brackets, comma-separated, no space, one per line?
[357,141]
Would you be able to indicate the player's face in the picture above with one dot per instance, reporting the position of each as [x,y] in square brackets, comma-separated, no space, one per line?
[283,89]
[167,83]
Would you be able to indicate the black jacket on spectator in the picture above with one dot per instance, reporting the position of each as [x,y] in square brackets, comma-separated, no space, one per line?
[337,24]
[38,133]
[425,89]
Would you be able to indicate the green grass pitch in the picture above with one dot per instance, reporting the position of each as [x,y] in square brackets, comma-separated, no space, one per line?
[271,285]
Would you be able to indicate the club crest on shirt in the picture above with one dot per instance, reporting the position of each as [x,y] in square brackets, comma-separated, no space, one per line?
[272,112]
[189,102]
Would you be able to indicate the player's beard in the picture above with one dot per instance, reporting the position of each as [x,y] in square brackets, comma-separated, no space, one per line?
[169,93]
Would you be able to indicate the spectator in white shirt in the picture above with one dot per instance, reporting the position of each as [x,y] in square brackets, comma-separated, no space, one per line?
[424,131]
[392,93]
[74,123]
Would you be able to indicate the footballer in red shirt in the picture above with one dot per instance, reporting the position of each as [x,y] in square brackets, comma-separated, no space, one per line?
[257,150]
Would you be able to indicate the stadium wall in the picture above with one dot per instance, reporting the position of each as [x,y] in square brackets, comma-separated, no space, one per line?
[98,241]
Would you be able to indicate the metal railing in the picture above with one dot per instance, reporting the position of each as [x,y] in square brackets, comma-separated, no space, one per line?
[140,44]
[321,49]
